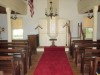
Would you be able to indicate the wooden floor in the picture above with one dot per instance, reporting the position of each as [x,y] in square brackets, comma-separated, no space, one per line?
[36,56]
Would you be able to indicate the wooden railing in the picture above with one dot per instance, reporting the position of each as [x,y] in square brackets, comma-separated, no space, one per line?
[67,25]
[69,39]
[69,35]
[80,32]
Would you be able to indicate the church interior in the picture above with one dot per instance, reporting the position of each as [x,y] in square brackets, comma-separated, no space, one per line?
[49,37]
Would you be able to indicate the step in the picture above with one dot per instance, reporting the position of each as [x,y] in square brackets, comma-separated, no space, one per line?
[41,49]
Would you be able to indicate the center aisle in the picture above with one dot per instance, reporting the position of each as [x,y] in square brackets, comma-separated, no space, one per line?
[54,61]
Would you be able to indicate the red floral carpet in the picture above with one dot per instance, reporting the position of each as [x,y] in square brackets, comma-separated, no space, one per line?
[54,61]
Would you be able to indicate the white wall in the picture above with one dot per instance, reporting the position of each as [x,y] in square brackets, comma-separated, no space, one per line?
[3,23]
[67,10]
[39,13]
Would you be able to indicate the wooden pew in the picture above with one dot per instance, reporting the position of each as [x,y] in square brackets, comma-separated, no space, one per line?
[13,45]
[20,52]
[32,43]
[20,41]
[81,48]
[17,43]
[88,56]
[9,66]
[14,40]
[75,43]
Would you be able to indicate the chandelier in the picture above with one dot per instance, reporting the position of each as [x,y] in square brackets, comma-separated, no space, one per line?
[52,12]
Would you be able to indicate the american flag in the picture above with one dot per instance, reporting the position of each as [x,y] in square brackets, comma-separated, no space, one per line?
[30,3]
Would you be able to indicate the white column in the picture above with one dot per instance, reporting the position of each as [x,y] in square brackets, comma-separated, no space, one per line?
[8,10]
[95,12]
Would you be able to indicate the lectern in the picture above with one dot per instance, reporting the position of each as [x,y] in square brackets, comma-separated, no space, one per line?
[53,42]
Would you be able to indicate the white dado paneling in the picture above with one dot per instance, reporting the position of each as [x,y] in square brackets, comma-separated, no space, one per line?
[44,40]
[61,39]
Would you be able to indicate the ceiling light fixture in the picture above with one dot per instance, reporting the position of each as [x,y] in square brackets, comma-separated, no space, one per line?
[14,16]
[90,16]
[52,12]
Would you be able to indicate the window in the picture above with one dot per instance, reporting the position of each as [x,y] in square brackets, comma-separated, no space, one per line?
[17,33]
[17,30]
[88,27]
[88,33]
[52,27]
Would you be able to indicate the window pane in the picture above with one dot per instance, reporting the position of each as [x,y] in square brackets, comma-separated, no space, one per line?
[17,33]
[89,33]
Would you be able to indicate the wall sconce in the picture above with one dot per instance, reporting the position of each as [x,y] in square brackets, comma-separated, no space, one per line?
[2,29]
[52,12]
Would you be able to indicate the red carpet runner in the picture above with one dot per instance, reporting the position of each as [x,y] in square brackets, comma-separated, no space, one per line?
[54,61]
